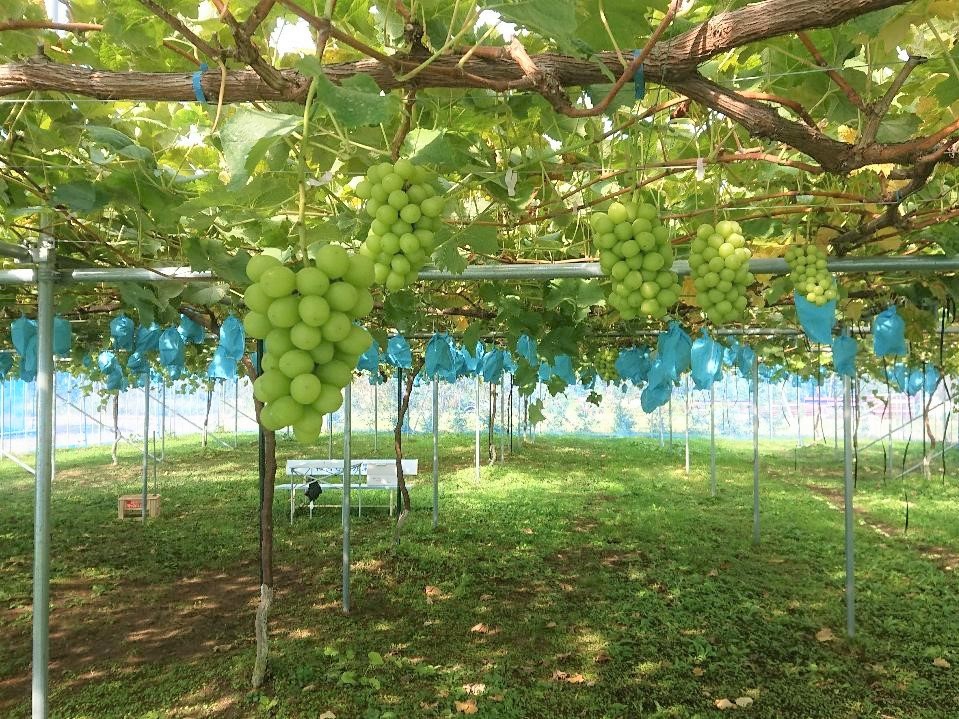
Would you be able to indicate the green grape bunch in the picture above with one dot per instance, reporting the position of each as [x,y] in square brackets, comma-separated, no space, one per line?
[307,319]
[809,274]
[635,253]
[406,207]
[605,364]
[719,262]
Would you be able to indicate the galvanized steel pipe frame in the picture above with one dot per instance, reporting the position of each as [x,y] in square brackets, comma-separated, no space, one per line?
[531,271]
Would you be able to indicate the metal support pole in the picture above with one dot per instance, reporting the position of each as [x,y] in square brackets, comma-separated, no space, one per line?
[163,422]
[769,407]
[686,423]
[755,398]
[502,418]
[46,279]
[850,519]
[146,445]
[712,439]
[478,387]
[236,412]
[835,413]
[889,462]
[670,419]
[436,451]
[329,424]
[3,414]
[347,461]
[376,414]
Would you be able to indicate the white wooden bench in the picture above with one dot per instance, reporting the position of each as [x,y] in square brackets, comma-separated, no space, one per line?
[379,474]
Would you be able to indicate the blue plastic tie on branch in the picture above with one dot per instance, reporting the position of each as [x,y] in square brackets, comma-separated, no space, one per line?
[197,84]
[639,79]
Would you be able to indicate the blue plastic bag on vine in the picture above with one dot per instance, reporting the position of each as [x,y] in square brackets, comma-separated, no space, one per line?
[914,382]
[673,347]
[816,321]
[633,364]
[526,348]
[844,349]
[706,361]
[369,361]
[222,366]
[6,363]
[172,352]
[191,331]
[439,356]
[62,337]
[562,367]
[232,338]
[930,379]
[544,372]
[493,364]
[22,330]
[398,352]
[660,372]
[655,396]
[121,330]
[147,339]
[108,364]
[889,333]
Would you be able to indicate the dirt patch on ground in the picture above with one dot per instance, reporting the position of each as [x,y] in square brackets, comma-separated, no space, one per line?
[944,558]
[187,619]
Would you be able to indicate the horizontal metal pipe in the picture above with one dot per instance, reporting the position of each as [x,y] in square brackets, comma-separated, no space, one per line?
[16,252]
[543,272]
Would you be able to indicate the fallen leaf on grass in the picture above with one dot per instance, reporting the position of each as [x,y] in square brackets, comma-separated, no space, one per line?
[724,703]
[941,663]
[602,657]
[481,629]
[713,573]
[698,671]
[327,715]
[566,587]
[551,625]
[433,593]
[496,697]
[825,635]
[485,597]
[744,702]
[474,689]
[576,679]
[562,676]
[527,530]
[467,707]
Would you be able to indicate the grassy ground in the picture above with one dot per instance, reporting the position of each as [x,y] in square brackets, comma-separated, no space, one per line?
[583,578]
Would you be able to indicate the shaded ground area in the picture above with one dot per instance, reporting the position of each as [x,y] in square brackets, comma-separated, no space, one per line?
[582,578]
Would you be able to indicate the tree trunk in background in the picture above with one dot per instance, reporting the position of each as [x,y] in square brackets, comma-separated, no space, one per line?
[398,444]
[116,428]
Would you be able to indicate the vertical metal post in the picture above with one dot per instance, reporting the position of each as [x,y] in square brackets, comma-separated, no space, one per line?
[755,398]
[502,418]
[347,462]
[376,413]
[436,451]
[236,412]
[849,517]
[477,422]
[686,423]
[3,414]
[41,524]
[835,413]
[769,407]
[146,444]
[712,439]
[163,422]
[83,418]
[670,419]
[329,424]
[889,462]
[659,422]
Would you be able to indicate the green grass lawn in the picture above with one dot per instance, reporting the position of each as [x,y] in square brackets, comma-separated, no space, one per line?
[582,578]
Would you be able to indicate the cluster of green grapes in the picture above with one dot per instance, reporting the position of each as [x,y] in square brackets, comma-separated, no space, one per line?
[311,342]
[406,206]
[634,251]
[606,364]
[807,264]
[719,260]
